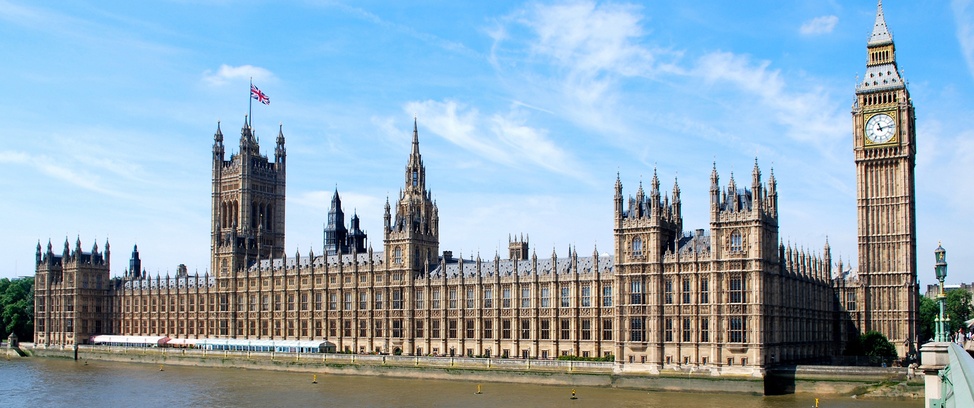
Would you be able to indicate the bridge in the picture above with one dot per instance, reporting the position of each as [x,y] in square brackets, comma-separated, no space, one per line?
[949,374]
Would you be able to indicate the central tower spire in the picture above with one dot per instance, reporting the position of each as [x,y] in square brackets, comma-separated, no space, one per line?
[412,236]
[415,171]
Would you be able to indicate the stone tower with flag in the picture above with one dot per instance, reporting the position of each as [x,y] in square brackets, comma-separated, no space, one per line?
[248,203]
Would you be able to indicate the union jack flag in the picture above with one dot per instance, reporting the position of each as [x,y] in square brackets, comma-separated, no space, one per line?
[258,95]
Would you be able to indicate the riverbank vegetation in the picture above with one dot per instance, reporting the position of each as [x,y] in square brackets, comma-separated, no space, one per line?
[17,308]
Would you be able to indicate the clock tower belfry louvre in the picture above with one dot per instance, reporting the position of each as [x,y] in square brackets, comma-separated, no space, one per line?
[884,140]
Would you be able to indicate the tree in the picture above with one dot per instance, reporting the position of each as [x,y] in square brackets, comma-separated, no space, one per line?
[958,308]
[875,344]
[17,308]
[928,313]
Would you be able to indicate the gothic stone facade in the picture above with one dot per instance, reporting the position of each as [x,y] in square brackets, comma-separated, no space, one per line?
[728,299]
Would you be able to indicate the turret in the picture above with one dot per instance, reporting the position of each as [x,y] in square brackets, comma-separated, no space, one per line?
[654,195]
[248,145]
[38,261]
[336,235]
[772,195]
[714,189]
[618,200]
[732,192]
[756,188]
[827,260]
[677,206]
[640,199]
[135,264]
[387,219]
[279,152]
[218,151]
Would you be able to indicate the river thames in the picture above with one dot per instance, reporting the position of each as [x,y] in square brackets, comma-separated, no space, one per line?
[42,382]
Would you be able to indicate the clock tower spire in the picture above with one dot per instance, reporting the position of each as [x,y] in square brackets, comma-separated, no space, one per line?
[884,143]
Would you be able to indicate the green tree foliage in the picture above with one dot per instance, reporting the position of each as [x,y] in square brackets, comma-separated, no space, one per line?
[958,308]
[875,344]
[870,344]
[17,308]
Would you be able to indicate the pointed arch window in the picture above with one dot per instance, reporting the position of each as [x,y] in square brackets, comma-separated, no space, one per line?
[397,255]
[415,178]
[736,242]
[637,246]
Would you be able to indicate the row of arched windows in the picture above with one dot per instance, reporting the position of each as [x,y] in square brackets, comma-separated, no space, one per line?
[261,214]
[229,212]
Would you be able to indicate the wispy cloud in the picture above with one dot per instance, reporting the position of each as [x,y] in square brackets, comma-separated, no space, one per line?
[83,32]
[227,73]
[57,170]
[964,16]
[577,56]
[805,113]
[582,60]
[502,137]
[363,14]
[819,25]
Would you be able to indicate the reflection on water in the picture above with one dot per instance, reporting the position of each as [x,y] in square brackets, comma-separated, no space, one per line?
[41,382]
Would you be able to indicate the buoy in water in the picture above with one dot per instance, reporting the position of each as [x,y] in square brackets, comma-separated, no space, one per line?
[573,394]
[478,389]
[160,367]
[314,380]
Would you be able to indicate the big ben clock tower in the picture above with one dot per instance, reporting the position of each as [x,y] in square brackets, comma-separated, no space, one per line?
[885,147]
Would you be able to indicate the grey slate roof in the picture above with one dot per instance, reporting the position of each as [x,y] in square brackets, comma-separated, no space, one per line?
[881,77]
[881,34]
[506,267]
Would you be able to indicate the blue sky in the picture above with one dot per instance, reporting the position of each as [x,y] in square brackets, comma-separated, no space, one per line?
[526,110]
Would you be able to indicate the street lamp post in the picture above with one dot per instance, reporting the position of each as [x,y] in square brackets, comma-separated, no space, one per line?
[942,323]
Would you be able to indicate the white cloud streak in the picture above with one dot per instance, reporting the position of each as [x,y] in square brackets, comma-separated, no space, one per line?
[500,137]
[819,25]
[428,38]
[964,16]
[227,73]
[575,57]
[801,112]
[597,49]
[52,168]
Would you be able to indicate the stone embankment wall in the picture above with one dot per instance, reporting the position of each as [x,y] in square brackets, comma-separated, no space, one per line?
[818,380]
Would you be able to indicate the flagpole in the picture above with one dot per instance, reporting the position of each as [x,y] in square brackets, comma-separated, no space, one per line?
[250,98]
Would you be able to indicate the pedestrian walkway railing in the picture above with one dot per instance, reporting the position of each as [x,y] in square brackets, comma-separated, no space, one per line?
[957,380]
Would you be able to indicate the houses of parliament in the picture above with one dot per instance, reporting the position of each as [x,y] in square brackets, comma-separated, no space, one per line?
[728,298]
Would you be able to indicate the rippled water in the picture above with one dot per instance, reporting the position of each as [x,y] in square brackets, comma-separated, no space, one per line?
[43,382]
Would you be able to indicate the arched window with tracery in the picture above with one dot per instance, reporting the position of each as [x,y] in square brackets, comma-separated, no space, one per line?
[736,242]
[637,246]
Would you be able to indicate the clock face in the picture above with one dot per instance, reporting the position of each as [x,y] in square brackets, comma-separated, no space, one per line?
[880,128]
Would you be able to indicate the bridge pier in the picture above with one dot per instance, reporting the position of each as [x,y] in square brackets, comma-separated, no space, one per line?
[934,357]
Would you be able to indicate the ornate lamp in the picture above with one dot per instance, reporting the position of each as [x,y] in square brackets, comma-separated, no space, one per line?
[942,323]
